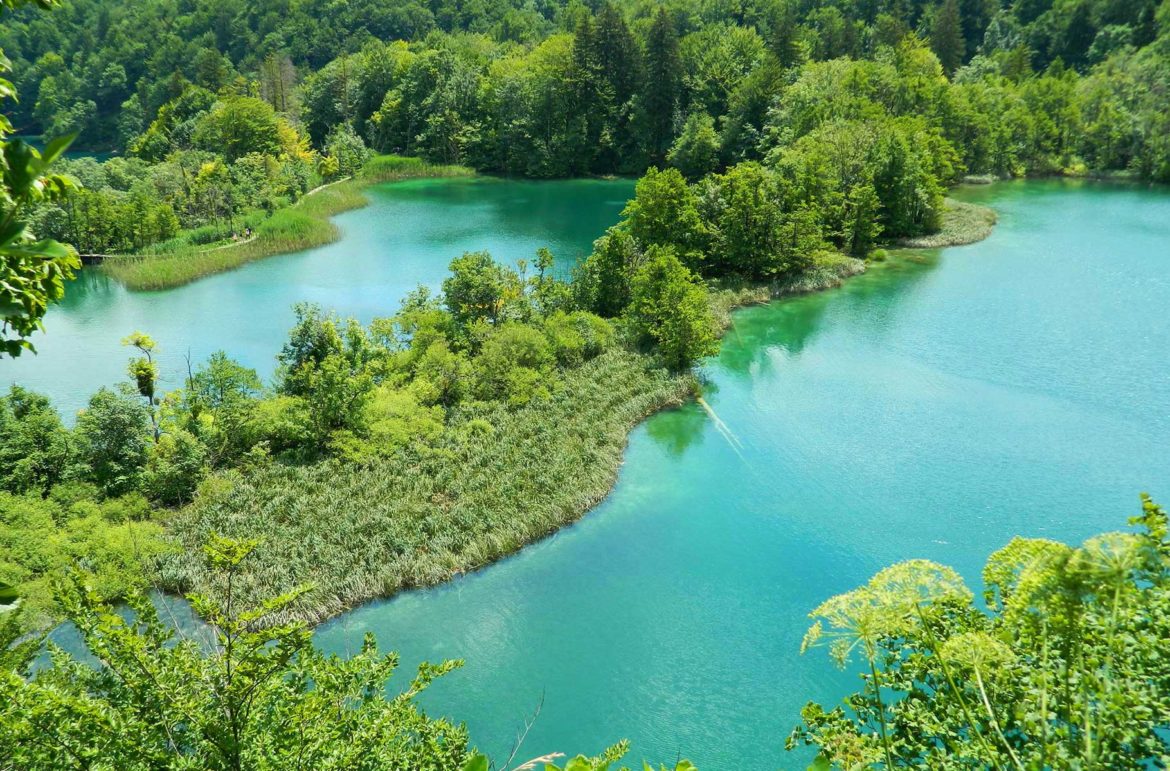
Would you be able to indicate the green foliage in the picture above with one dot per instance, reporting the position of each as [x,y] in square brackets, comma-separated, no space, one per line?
[347,151]
[32,272]
[493,479]
[477,289]
[602,283]
[864,178]
[578,336]
[696,151]
[303,225]
[36,452]
[215,406]
[946,36]
[669,307]
[40,537]
[664,212]
[324,365]
[1062,670]
[175,467]
[658,107]
[237,127]
[260,697]
[514,364]
[523,96]
[755,233]
[114,438]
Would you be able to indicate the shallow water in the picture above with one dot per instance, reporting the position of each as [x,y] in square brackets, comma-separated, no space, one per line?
[407,236]
[933,408]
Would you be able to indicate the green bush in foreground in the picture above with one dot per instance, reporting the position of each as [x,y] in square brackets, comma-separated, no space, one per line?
[1066,668]
[258,699]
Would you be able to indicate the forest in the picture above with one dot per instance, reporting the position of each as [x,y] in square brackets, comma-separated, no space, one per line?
[243,111]
[778,144]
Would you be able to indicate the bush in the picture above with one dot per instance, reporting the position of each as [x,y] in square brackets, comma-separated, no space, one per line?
[577,337]
[174,469]
[514,364]
[40,537]
[114,436]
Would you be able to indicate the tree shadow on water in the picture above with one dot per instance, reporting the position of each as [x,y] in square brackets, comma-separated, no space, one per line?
[789,326]
[677,429]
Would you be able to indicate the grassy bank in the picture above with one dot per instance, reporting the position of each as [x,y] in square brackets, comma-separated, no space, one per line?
[494,482]
[963,223]
[303,225]
[829,270]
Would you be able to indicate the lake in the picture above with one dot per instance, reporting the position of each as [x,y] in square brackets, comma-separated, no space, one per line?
[933,407]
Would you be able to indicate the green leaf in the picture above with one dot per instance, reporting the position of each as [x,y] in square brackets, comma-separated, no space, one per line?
[476,763]
[55,148]
[49,249]
[820,763]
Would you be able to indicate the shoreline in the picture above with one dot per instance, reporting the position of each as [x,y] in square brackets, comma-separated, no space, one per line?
[305,224]
[963,224]
[576,482]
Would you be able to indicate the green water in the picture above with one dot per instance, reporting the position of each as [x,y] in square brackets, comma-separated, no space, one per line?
[931,408]
[407,236]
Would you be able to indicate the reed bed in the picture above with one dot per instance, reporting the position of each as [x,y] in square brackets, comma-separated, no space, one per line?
[829,269]
[963,223]
[303,225]
[495,481]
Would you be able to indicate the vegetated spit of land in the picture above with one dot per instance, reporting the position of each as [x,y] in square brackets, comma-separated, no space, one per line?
[493,483]
[303,225]
[963,223]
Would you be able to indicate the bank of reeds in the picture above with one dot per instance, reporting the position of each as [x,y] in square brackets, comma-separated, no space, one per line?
[492,484]
[829,269]
[963,223]
[303,225]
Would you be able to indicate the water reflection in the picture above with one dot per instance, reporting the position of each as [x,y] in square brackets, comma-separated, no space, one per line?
[679,429]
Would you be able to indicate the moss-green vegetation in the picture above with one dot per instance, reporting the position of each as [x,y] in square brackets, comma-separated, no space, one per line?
[302,225]
[117,540]
[493,481]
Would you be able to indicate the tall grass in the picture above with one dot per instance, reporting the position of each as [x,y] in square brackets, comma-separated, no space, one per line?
[828,270]
[962,224]
[493,482]
[303,225]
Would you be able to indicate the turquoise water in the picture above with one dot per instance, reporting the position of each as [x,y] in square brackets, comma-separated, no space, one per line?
[933,407]
[407,236]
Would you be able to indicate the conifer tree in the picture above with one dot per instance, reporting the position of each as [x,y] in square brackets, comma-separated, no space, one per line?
[662,88]
[946,36]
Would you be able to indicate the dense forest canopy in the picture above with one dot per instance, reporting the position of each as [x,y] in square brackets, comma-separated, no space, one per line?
[225,112]
[106,69]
